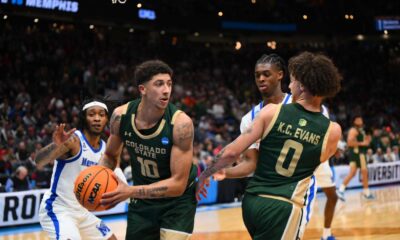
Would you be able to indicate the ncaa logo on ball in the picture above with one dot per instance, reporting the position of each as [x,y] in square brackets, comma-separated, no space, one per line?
[165,141]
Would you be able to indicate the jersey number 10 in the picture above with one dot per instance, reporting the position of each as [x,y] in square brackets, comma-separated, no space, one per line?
[148,168]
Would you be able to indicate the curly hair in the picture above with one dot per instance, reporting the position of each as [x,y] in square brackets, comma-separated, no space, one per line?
[146,70]
[317,73]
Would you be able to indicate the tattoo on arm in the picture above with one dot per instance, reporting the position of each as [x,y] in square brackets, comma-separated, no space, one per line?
[184,132]
[44,153]
[53,151]
[214,167]
[157,192]
[115,123]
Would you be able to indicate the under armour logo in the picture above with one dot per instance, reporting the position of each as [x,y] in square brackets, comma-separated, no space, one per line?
[127,133]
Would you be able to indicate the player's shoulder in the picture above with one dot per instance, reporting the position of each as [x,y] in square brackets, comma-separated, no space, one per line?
[181,118]
[335,130]
[120,110]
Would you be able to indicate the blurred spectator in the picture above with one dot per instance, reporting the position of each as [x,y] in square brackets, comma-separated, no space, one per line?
[396,153]
[19,181]
[370,156]
[339,157]
[42,177]
[378,156]
[389,155]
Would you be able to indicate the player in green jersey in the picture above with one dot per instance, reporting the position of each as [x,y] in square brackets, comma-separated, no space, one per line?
[358,143]
[295,139]
[159,139]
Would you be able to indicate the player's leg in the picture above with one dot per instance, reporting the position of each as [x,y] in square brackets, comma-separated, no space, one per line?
[93,228]
[329,211]
[325,181]
[352,173]
[177,220]
[142,221]
[268,218]
[364,174]
[59,224]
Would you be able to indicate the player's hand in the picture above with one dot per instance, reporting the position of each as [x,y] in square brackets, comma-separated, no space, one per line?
[201,188]
[120,194]
[60,136]
[220,175]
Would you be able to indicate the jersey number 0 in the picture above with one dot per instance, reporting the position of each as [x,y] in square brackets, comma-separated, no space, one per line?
[298,149]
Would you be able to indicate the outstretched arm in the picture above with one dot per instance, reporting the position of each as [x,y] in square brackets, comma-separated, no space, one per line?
[248,161]
[114,146]
[245,167]
[232,151]
[63,142]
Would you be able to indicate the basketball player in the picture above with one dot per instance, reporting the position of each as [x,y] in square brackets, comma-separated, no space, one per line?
[295,139]
[61,215]
[159,139]
[358,143]
[270,71]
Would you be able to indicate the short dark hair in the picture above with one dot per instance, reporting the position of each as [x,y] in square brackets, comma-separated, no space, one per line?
[355,116]
[82,124]
[317,73]
[146,70]
[276,60]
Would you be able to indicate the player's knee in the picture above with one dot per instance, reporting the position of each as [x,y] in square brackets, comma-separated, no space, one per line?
[333,198]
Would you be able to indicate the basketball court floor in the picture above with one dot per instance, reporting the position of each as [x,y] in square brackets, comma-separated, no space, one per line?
[356,218]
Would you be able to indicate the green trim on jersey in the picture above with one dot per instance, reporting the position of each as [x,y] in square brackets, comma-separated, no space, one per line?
[150,154]
[289,153]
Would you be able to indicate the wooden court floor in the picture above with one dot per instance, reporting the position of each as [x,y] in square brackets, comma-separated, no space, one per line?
[356,218]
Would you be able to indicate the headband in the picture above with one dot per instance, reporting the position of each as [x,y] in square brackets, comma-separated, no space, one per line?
[94,104]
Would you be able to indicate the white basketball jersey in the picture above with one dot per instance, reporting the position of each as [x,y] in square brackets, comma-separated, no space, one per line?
[61,192]
[249,117]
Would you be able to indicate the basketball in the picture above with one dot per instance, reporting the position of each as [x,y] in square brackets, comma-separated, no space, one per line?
[90,185]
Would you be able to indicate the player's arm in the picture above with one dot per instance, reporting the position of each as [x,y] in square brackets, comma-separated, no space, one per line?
[114,146]
[352,139]
[64,145]
[245,167]
[232,151]
[249,158]
[334,135]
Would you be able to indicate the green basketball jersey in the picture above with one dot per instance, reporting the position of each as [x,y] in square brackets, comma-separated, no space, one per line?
[355,151]
[290,151]
[150,154]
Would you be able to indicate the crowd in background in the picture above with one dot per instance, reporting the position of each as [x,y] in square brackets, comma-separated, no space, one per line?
[47,71]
